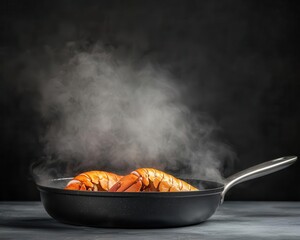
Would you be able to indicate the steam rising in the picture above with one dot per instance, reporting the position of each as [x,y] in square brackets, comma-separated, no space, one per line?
[106,112]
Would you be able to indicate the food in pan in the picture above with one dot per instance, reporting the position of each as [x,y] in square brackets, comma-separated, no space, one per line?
[140,180]
[150,180]
[93,181]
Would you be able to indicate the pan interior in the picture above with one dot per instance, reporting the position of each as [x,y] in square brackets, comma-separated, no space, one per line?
[204,184]
[205,187]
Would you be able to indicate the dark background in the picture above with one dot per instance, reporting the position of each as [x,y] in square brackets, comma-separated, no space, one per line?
[236,60]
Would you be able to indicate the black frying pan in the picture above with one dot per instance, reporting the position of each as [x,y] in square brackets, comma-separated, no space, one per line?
[145,209]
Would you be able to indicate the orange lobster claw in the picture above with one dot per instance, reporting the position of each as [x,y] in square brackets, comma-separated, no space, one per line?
[129,183]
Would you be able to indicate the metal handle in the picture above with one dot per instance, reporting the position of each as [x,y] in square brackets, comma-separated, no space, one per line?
[257,171]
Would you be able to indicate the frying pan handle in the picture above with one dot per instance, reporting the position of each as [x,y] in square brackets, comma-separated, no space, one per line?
[257,171]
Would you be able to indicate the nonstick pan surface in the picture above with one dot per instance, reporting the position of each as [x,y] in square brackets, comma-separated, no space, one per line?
[131,210]
[145,209]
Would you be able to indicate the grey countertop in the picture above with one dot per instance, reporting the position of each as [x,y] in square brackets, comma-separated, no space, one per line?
[233,220]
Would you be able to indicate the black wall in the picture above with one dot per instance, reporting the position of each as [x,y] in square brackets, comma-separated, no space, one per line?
[236,60]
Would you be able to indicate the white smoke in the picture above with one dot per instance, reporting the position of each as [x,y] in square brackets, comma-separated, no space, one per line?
[105,111]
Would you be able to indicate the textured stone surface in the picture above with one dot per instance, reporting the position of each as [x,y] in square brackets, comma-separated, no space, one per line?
[233,220]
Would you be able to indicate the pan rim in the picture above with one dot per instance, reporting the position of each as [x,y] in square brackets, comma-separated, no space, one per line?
[210,191]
